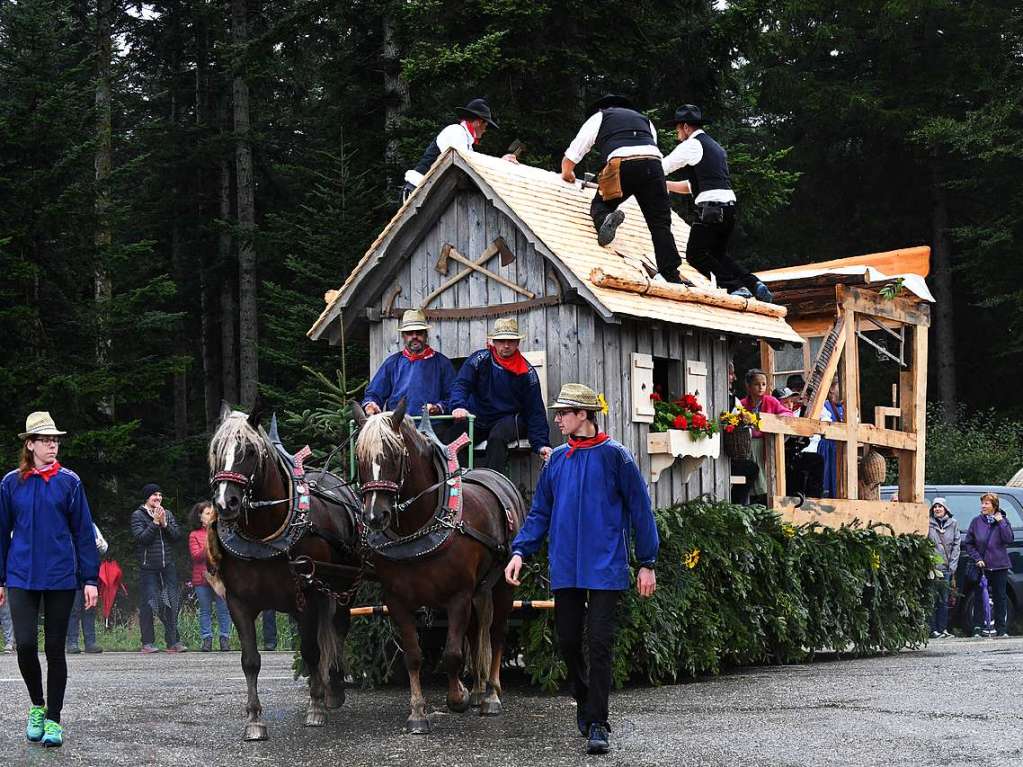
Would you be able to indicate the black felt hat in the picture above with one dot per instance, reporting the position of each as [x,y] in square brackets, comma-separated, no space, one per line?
[609,100]
[687,113]
[478,108]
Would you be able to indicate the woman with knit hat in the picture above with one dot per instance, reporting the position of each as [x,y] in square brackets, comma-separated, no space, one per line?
[943,532]
[156,531]
[47,552]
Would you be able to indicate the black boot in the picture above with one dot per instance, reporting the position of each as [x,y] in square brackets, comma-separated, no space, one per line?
[598,742]
[207,644]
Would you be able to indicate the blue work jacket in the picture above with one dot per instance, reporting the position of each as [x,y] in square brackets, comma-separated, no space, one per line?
[422,382]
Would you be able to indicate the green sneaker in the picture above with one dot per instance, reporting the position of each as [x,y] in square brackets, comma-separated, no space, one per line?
[34,730]
[53,737]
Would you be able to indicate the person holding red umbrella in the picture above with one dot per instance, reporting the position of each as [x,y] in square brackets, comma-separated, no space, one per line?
[47,552]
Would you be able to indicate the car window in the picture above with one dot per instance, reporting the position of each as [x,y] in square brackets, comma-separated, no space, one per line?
[965,506]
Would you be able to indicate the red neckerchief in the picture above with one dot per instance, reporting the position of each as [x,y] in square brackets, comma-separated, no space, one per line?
[425,354]
[468,126]
[516,364]
[46,473]
[574,443]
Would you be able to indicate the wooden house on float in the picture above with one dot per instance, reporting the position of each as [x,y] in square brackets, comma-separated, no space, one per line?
[482,238]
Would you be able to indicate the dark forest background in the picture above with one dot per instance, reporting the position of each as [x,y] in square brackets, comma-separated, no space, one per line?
[181,181]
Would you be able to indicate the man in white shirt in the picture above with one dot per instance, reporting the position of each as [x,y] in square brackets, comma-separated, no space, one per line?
[709,182]
[463,135]
[630,166]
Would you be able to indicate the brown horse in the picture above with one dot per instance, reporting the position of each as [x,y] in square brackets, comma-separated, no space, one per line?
[262,528]
[457,567]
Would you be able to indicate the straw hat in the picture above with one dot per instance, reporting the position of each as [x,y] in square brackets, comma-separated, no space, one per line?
[40,424]
[506,329]
[413,319]
[576,396]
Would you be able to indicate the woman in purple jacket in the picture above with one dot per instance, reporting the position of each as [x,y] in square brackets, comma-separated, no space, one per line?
[985,541]
[47,552]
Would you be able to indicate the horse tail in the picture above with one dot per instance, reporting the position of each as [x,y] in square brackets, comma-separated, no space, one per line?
[326,637]
[480,658]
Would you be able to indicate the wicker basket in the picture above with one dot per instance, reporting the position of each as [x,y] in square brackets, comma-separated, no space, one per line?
[738,443]
[872,468]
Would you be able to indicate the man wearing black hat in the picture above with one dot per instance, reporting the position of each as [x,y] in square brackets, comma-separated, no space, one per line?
[709,182]
[156,532]
[631,166]
[476,117]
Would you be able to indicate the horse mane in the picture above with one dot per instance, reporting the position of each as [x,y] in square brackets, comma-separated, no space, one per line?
[235,429]
[377,435]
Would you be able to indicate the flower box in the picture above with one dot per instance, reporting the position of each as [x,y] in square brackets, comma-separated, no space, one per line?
[665,447]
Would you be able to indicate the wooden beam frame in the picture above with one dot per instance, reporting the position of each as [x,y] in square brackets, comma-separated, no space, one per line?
[835,512]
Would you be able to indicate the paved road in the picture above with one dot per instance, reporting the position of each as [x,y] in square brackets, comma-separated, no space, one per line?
[124,709]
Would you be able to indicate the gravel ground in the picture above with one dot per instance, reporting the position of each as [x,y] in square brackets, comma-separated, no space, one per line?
[125,709]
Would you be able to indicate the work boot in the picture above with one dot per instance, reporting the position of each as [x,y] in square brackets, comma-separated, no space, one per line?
[72,649]
[35,728]
[611,223]
[225,644]
[598,742]
[741,293]
[93,649]
[207,645]
[53,734]
[177,647]
[763,293]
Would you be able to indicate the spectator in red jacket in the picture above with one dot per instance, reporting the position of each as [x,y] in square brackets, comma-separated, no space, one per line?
[201,517]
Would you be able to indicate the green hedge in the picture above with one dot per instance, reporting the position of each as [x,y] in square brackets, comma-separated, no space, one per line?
[758,591]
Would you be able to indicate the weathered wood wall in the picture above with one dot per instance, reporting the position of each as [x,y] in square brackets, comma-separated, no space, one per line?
[579,345]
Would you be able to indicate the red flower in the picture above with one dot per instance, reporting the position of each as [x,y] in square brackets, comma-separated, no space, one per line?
[692,403]
[680,422]
[700,421]
[730,428]
[655,397]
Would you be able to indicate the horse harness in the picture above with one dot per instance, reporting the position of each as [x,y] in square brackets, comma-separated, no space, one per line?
[297,524]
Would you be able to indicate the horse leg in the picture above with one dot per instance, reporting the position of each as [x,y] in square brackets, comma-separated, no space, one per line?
[418,723]
[473,640]
[335,693]
[458,610]
[245,620]
[316,714]
[502,595]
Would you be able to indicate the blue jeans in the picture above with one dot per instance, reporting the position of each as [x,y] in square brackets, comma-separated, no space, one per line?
[939,620]
[86,617]
[207,597]
[270,628]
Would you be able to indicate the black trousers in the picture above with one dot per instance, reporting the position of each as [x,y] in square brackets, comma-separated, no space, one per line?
[497,436]
[805,474]
[574,610]
[159,597]
[644,180]
[707,251]
[749,470]
[56,606]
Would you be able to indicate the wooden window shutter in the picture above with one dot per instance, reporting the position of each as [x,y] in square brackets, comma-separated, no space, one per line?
[538,359]
[642,388]
[696,382]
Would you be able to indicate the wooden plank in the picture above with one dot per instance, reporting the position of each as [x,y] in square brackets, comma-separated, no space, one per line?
[865,433]
[897,309]
[718,402]
[676,352]
[852,405]
[913,406]
[820,396]
[835,512]
[914,260]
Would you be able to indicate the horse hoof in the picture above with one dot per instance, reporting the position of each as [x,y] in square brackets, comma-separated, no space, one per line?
[459,706]
[334,700]
[490,708]
[255,732]
[315,719]
[418,726]
[475,699]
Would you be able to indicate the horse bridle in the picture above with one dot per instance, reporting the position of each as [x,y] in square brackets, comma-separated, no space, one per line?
[389,486]
[245,483]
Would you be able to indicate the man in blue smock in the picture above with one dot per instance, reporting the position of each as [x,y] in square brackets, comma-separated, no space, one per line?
[589,497]
[502,390]
[418,373]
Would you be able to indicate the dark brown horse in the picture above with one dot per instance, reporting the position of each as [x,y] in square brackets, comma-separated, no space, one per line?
[403,496]
[262,527]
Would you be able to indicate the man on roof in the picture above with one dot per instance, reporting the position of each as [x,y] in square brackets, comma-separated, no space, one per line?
[630,167]
[710,184]
[418,373]
[502,390]
[463,135]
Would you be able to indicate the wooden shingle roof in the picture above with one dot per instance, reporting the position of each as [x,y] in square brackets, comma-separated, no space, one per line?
[554,216]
